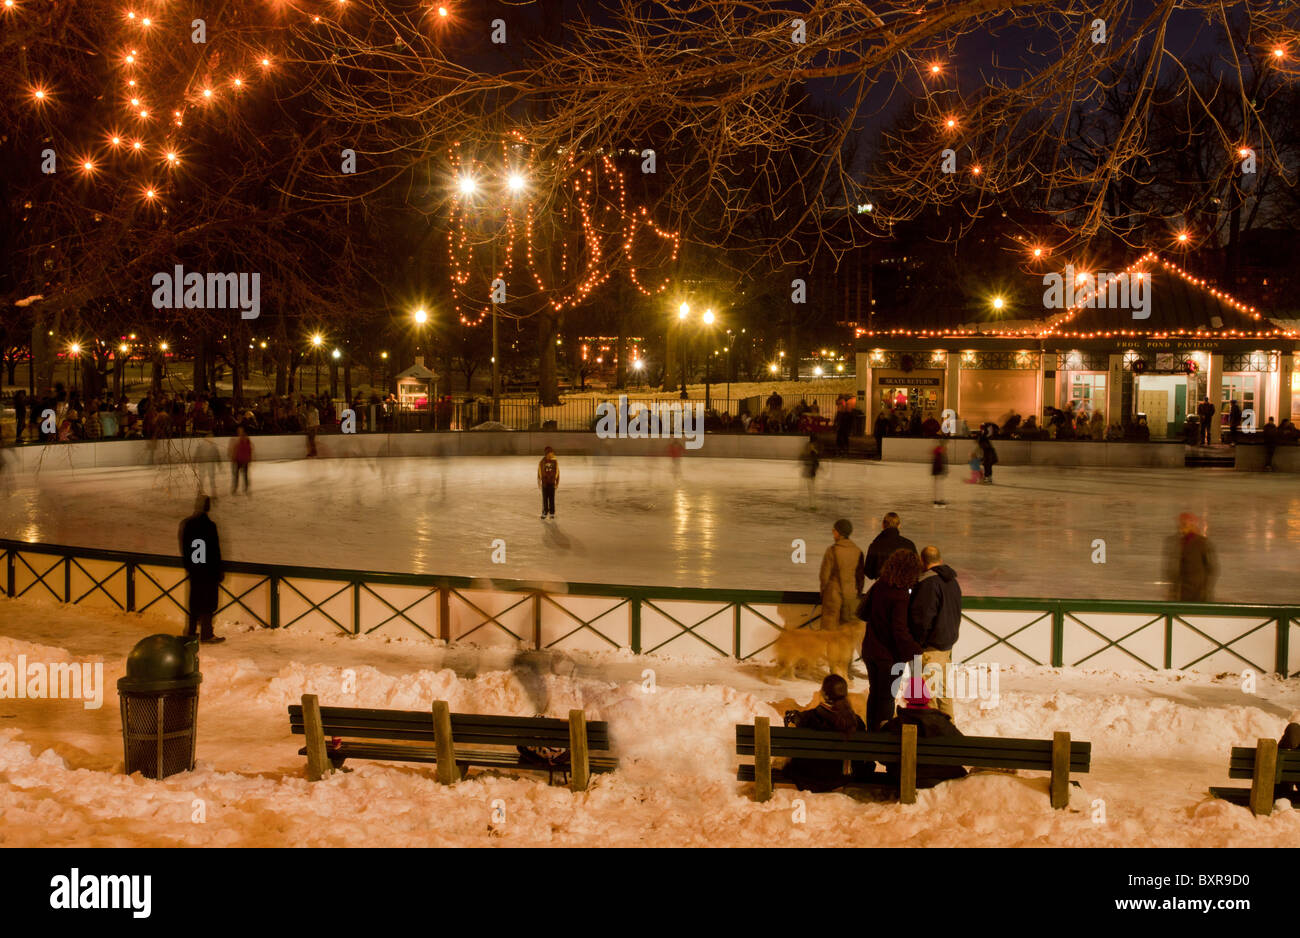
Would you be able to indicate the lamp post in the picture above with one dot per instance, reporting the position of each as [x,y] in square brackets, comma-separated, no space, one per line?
[316,341]
[708,319]
[682,312]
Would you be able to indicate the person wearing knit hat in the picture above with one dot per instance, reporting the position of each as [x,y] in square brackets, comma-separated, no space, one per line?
[929,723]
[841,577]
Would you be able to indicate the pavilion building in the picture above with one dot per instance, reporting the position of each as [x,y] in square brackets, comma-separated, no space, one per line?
[1186,342]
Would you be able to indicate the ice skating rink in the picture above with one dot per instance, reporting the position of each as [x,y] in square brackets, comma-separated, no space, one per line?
[721,523]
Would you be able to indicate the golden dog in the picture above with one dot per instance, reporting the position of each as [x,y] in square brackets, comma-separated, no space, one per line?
[834,647]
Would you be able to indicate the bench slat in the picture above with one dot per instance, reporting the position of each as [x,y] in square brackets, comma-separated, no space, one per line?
[745,733]
[421,718]
[469,757]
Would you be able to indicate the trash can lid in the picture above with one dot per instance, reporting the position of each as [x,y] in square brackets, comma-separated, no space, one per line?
[160,663]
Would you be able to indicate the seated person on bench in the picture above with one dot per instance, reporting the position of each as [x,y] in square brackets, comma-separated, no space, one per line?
[1290,741]
[929,723]
[833,713]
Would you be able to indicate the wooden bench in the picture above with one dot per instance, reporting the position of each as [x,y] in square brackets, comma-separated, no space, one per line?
[438,737]
[1266,766]
[1059,755]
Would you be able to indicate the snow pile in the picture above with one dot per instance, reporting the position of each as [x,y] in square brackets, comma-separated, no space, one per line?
[1159,740]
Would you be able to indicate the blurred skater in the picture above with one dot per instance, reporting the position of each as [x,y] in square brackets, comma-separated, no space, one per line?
[989,456]
[811,458]
[939,472]
[548,479]
[973,464]
[241,454]
[1195,565]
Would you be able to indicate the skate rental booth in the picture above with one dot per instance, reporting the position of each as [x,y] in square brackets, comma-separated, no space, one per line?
[1195,342]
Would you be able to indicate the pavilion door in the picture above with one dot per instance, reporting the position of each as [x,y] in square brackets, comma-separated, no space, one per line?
[1155,404]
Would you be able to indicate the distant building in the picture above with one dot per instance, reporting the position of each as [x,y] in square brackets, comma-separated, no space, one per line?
[1193,341]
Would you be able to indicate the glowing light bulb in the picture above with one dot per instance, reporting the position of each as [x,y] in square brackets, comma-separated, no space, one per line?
[207,92]
[117,141]
[467,185]
[38,94]
[87,166]
[1038,252]
[421,316]
[975,170]
[266,62]
[515,182]
[935,69]
[147,22]
[171,157]
[998,302]
[149,194]
[442,11]
[135,102]
[951,123]
[137,145]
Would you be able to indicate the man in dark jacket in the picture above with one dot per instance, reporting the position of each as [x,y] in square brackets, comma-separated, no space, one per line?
[880,430]
[1234,421]
[201,554]
[1205,411]
[885,543]
[929,723]
[1270,443]
[935,617]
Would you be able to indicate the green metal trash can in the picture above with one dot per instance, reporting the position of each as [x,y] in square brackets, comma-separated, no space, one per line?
[160,705]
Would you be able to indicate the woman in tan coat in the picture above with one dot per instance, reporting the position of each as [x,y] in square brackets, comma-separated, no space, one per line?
[842,575]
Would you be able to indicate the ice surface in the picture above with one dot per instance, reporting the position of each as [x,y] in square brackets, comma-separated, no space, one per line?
[724,523]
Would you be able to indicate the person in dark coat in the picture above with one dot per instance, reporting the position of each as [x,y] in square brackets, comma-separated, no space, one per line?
[1269,434]
[929,723]
[1234,421]
[1205,411]
[935,618]
[201,555]
[880,430]
[938,471]
[885,543]
[833,714]
[1196,566]
[888,645]
[988,457]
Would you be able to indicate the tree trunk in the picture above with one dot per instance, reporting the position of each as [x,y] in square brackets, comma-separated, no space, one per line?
[200,381]
[347,382]
[548,387]
[281,359]
[43,354]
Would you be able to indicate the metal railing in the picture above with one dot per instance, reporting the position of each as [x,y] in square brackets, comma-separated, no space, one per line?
[739,624]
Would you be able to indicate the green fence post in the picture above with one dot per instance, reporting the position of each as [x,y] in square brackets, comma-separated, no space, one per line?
[1169,640]
[635,637]
[735,631]
[130,586]
[1282,663]
[10,572]
[356,608]
[275,601]
[1058,634]
[67,578]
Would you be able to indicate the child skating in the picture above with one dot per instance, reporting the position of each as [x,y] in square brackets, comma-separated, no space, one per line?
[548,477]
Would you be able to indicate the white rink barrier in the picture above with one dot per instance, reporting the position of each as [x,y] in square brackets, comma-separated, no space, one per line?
[1041,452]
[103,454]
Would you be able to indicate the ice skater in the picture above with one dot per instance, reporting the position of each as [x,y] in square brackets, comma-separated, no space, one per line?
[973,464]
[241,454]
[812,458]
[938,472]
[548,478]
[201,555]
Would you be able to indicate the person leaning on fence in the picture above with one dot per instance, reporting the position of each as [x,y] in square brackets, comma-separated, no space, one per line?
[201,556]
[887,645]
[934,613]
[885,543]
[841,577]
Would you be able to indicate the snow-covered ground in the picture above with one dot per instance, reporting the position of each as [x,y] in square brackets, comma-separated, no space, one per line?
[1159,740]
[723,523]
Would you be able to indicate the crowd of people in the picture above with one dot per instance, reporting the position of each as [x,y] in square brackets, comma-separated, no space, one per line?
[912,614]
[65,416]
